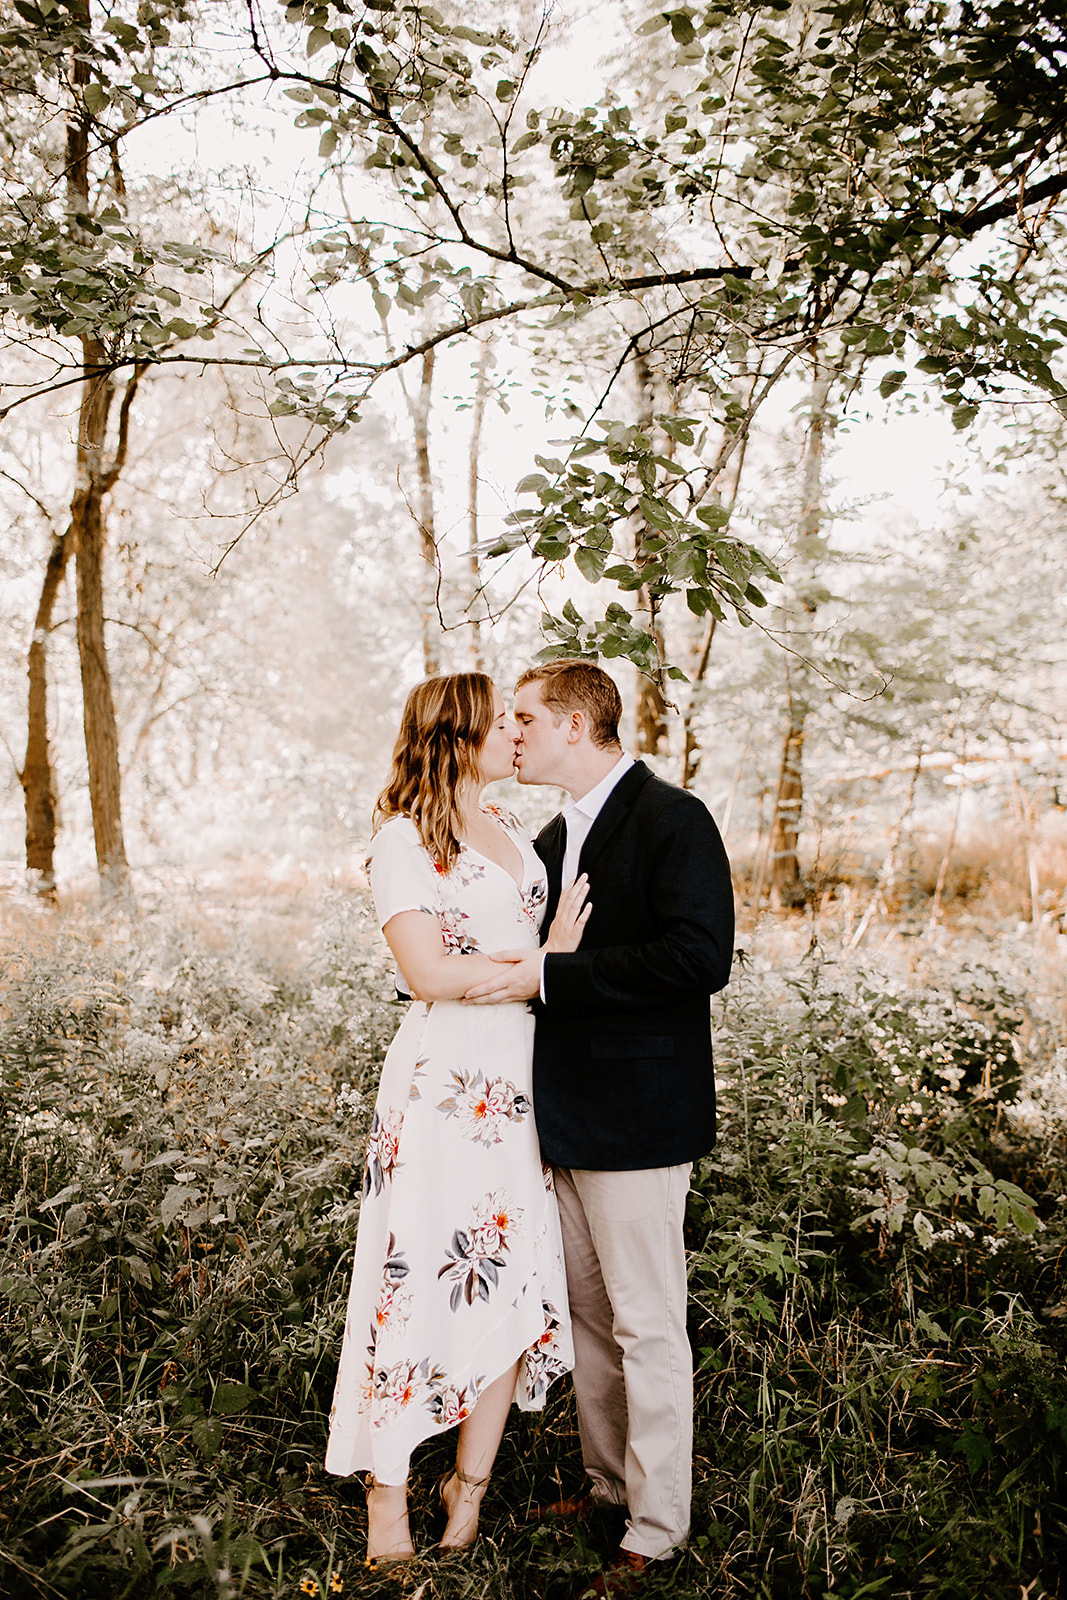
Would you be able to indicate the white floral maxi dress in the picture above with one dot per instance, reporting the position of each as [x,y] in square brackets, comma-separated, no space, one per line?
[459,1263]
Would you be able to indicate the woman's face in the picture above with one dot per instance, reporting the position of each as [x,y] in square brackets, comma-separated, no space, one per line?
[496,758]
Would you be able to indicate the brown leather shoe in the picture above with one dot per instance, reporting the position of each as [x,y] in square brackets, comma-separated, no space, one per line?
[626,1576]
[573,1508]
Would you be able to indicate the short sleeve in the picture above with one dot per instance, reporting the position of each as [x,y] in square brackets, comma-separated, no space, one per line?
[402,876]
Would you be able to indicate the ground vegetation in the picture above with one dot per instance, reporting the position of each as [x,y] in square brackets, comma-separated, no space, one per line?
[875,1251]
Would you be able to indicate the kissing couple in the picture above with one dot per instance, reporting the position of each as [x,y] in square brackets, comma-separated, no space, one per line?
[539,1111]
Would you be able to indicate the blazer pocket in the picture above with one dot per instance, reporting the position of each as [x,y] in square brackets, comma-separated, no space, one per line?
[631,1047]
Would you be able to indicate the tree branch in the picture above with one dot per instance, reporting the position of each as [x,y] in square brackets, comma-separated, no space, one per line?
[118,460]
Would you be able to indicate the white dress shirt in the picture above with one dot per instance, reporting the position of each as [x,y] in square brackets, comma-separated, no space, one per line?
[579,816]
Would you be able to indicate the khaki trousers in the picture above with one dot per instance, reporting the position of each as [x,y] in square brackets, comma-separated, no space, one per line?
[633,1368]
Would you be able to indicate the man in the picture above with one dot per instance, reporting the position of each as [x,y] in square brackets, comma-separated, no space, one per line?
[624,1092]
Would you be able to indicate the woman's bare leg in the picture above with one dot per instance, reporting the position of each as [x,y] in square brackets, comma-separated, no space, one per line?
[479,1439]
[388,1534]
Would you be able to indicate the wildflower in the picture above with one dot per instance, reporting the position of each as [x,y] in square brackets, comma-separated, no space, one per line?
[336,1583]
[309,1586]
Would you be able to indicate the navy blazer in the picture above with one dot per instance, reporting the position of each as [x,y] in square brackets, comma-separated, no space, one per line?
[623,1073]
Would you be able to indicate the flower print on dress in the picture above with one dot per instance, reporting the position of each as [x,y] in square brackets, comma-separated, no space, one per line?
[478,1252]
[394,1304]
[464,870]
[452,919]
[383,1150]
[503,815]
[404,1384]
[415,1092]
[533,902]
[449,1406]
[543,1363]
[484,1106]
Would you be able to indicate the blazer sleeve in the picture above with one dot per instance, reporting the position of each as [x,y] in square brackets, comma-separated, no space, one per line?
[691,898]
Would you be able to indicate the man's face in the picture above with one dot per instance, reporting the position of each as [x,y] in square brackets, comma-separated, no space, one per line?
[543,737]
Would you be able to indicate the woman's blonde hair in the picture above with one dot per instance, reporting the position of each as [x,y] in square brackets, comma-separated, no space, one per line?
[445,722]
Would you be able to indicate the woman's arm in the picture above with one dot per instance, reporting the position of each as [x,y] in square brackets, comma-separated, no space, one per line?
[433,972]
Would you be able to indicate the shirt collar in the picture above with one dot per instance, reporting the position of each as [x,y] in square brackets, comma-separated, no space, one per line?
[591,804]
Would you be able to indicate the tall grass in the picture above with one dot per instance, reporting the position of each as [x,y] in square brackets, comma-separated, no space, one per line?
[877,1292]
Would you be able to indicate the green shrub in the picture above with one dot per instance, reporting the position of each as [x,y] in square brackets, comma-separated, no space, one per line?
[876,1288]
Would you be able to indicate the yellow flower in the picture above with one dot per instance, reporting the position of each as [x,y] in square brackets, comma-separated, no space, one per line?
[336,1583]
[309,1586]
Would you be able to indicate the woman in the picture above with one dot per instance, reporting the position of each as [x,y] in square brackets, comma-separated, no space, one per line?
[458,1300]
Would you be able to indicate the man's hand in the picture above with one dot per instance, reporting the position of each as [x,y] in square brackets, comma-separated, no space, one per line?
[520,979]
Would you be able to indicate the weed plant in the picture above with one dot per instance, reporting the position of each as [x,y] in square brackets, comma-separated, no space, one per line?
[877,1296]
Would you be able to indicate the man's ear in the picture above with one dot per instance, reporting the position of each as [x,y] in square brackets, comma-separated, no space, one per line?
[576,724]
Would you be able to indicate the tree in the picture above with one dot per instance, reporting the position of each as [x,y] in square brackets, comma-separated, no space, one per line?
[915,120]
[881,174]
[785,877]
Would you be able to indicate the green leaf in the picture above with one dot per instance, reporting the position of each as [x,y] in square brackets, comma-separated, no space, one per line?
[207,1436]
[533,483]
[656,513]
[137,1271]
[95,97]
[318,39]
[626,577]
[175,1197]
[590,563]
[681,27]
[471,35]
[680,428]
[230,1398]
[891,383]
[505,90]
[328,142]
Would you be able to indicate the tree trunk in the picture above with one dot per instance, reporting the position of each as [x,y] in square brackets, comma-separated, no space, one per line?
[787,884]
[88,532]
[476,603]
[691,752]
[93,479]
[37,778]
[786,881]
[651,709]
[431,642]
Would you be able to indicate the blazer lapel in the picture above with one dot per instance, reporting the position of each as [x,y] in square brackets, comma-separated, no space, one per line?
[551,844]
[612,813]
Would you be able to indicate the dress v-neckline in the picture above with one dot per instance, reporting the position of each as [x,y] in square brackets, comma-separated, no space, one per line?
[518,882]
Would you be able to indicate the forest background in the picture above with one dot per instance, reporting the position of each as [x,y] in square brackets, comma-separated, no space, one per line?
[344,343]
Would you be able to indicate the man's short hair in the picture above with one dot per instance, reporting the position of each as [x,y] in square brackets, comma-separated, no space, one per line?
[580,686]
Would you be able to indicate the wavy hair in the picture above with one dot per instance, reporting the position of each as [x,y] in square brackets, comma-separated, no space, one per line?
[445,722]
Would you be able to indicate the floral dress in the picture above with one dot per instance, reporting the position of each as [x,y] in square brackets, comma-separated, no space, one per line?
[459,1264]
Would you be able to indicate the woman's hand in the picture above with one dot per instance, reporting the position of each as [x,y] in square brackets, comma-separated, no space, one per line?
[572,914]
